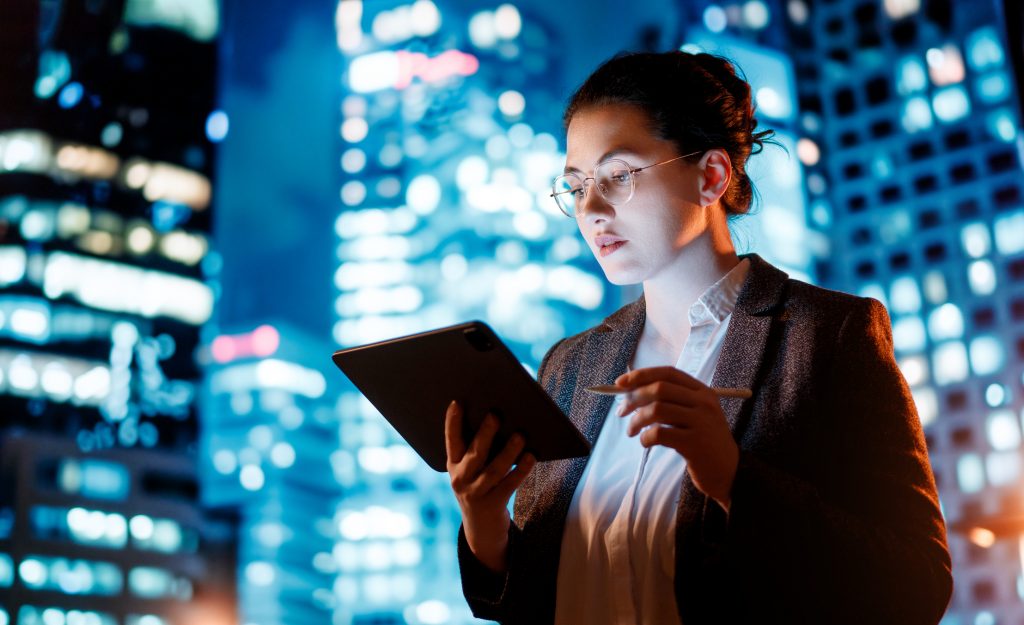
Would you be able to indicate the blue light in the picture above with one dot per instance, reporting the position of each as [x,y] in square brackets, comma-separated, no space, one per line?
[910,77]
[917,115]
[70,95]
[1002,125]
[908,334]
[951,104]
[993,88]
[987,355]
[54,71]
[970,473]
[1009,229]
[168,215]
[715,19]
[984,49]
[217,126]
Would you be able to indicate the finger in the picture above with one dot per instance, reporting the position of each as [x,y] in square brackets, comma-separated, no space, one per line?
[662,391]
[659,413]
[481,446]
[511,482]
[499,467]
[667,436]
[454,445]
[640,377]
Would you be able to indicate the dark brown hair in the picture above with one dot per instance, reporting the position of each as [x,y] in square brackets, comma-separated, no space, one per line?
[697,101]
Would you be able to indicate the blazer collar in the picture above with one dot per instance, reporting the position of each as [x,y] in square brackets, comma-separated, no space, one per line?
[611,346]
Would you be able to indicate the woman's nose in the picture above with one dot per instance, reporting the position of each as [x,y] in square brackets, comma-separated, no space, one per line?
[593,207]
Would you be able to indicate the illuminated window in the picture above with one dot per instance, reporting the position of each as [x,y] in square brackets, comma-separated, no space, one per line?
[917,115]
[935,287]
[914,369]
[984,49]
[95,479]
[6,570]
[970,473]
[987,355]
[1003,467]
[1009,229]
[353,160]
[150,582]
[945,65]
[73,577]
[993,88]
[715,19]
[949,363]
[927,404]
[1003,430]
[946,322]
[906,297]
[981,276]
[897,9]
[995,395]
[1001,124]
[908,334]
[910,76]
[951,104]
[976,239]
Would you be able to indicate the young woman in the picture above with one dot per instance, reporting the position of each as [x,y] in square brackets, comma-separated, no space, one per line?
[812,501]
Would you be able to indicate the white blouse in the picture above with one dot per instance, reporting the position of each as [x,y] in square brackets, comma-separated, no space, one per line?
[617,562]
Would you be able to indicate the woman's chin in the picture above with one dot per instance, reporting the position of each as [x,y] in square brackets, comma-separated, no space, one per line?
[622,276]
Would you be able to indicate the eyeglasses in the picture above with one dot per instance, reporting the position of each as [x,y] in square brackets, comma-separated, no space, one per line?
[615,181]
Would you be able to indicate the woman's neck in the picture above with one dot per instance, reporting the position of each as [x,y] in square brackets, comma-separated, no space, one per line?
[669,295]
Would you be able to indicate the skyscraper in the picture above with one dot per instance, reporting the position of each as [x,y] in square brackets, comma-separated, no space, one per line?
[105,161]
[909,117]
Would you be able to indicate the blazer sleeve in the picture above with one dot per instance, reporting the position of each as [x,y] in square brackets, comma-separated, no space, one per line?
[487,592]
[867,545]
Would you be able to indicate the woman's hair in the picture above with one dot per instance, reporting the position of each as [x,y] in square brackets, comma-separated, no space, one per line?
[697,101]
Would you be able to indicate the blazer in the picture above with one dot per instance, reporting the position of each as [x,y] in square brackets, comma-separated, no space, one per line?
[834,516]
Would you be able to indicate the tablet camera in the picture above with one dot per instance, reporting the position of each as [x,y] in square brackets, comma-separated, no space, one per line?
[479,339]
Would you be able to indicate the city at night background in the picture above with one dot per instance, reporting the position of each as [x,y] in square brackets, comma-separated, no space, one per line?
[201,200]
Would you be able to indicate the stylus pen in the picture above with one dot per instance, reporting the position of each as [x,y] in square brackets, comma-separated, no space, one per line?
[609,389]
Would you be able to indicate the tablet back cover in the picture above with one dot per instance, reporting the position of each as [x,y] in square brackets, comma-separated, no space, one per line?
[411,380]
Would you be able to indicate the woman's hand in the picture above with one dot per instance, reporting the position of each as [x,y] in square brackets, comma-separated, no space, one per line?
[483,490]
[680,412]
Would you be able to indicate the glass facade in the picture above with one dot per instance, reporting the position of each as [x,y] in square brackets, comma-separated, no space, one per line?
[105,198]
[201,200]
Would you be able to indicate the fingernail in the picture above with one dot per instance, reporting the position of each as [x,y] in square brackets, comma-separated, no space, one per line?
[451,405]
[621,410]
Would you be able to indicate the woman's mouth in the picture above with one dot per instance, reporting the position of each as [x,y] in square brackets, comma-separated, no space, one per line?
[610,249]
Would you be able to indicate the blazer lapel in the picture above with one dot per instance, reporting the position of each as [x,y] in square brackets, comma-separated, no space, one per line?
[606,355]
[745,340]
[738,365]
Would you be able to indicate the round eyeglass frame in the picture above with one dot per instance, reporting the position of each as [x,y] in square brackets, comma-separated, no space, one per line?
[583,182]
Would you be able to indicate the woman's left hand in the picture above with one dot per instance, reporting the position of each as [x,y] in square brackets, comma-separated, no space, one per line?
[680,412]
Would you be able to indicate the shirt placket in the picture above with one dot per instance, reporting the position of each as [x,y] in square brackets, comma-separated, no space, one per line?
[619,545]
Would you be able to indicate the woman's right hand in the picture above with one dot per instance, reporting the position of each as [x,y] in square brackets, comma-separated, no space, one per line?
[483,490]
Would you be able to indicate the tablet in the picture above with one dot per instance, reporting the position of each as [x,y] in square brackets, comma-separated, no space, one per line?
[412,379]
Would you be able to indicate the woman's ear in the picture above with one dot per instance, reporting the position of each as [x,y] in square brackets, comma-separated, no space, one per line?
[716,173]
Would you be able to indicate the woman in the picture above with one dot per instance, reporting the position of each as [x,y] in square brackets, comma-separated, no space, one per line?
[810,502]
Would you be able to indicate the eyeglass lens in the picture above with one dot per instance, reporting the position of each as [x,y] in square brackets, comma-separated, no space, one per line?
[613,181]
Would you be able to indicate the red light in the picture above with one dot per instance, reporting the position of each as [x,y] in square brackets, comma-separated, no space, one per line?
[264,341]
[261,342]
[223,349]
[450,63]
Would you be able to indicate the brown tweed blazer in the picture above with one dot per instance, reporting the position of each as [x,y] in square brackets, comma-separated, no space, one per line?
[834,515]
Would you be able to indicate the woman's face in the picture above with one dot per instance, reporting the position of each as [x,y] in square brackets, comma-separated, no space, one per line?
[664,214]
